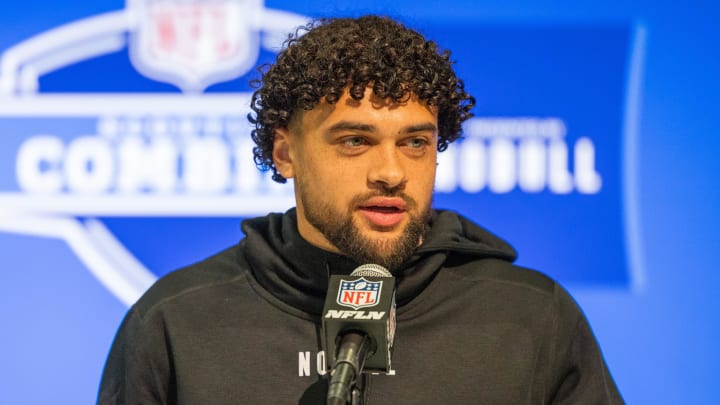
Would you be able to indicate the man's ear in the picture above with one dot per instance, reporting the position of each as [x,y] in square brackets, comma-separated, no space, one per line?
[282,154]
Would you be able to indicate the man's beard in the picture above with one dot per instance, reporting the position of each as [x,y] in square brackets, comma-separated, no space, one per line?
[340,230]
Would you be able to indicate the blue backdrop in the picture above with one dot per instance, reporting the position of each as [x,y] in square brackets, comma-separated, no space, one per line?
[592,151]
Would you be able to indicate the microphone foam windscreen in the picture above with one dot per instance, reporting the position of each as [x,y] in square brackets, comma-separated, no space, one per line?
[371,270]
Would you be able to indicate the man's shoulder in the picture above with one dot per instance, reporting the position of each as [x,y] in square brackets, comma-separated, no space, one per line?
[204,276]
[511,282]
[502,272]
[519,287]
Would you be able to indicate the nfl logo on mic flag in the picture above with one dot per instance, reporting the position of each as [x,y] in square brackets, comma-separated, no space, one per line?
[359,293]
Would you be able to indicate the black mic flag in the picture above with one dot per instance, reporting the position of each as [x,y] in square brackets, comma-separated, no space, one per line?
[358,326]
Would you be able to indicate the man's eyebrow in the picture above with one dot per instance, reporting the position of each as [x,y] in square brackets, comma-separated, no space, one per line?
[360,127]
[351,126]
[426,127]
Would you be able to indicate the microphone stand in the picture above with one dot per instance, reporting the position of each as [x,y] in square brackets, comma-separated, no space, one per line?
[354,350]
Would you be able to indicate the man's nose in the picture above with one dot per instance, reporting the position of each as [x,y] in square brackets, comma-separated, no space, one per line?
[386,168]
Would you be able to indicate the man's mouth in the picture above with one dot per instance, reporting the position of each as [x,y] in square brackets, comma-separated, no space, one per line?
[384,212]
[379,208]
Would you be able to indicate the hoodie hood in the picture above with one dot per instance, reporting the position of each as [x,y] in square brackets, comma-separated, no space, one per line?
[297,272]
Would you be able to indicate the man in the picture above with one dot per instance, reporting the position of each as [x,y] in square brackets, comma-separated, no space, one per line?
[355,112]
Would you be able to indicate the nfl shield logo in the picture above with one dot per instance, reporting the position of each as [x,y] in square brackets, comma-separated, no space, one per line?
[359,293]
[195,43]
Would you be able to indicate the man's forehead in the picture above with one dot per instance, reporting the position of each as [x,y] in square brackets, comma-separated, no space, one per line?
[369,105]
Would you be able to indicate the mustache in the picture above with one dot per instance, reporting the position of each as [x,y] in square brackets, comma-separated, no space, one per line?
[360,199]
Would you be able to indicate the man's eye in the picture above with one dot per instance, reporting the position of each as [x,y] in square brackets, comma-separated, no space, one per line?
[417,143]
[353,142]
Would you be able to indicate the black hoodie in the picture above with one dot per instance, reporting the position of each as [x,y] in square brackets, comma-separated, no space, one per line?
[242,327]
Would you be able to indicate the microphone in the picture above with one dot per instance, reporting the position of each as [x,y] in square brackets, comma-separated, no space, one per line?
[358,328]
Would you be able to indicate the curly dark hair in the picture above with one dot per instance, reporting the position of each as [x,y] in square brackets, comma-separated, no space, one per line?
[339,54]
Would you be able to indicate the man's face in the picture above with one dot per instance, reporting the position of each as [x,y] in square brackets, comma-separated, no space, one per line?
[363,174]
